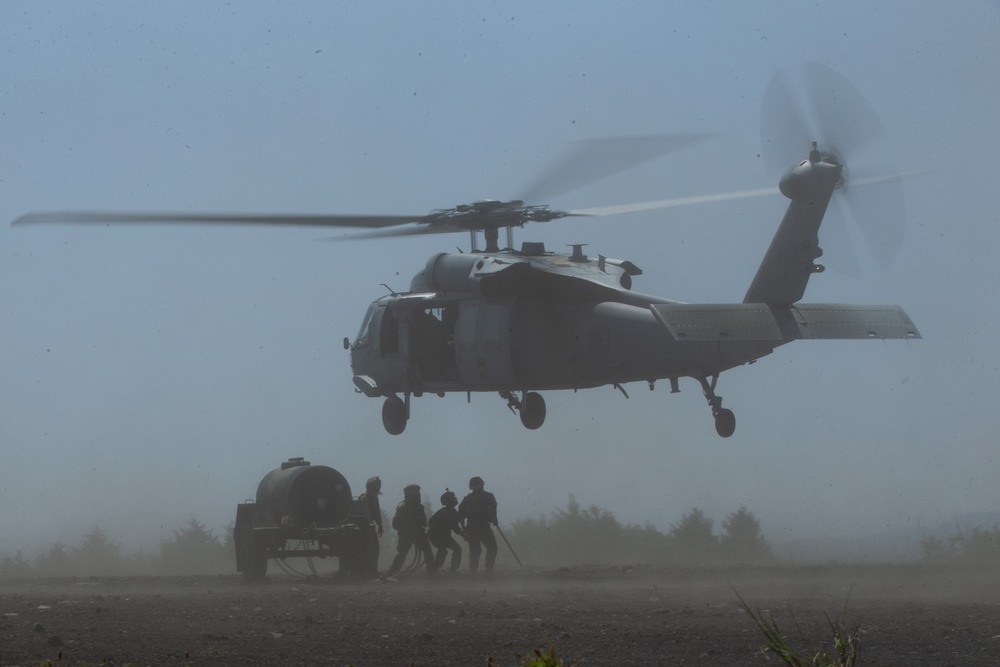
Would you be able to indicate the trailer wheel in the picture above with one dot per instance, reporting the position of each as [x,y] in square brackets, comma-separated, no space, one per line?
[254,558]
[364,553]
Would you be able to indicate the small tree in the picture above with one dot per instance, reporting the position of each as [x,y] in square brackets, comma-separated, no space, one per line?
[98,555]
[742,541]
[692,537]
[936,551]
[14,567]
[982,547]
[55,562]
[969,546]
[591,535]
[193,550]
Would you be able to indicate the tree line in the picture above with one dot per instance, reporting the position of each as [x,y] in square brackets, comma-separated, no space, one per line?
[592,536]
[575,535]
[193,549]
[974,547]
[571,536]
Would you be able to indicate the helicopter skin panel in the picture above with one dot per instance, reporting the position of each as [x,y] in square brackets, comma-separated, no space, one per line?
[745,321]
[760,322]
[837,321]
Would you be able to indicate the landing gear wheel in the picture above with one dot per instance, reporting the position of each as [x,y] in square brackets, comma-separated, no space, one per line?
[394,415]
[533,410]
[725,422]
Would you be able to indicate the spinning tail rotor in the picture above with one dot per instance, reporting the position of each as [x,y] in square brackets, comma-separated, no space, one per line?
[813,103]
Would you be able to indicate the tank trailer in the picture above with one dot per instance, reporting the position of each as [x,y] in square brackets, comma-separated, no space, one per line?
[304,511]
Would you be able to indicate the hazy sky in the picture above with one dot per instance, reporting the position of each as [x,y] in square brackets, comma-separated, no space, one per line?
[158,373]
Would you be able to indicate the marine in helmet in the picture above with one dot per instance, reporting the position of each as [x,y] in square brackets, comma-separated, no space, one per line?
[477,512]
[373,489]
[373,511]
[439,529]
[410,522]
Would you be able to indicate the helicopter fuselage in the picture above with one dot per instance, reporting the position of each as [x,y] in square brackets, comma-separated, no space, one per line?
[523,321]
[440,342]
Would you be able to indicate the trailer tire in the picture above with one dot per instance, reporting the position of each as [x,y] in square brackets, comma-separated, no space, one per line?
[254,558]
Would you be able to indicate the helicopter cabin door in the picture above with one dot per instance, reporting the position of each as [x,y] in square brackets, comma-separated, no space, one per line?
[482,345]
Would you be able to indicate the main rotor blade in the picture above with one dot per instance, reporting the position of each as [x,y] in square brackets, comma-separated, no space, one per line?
[415,230]
[674,202]
[855,186]
[594,159]
[148,217]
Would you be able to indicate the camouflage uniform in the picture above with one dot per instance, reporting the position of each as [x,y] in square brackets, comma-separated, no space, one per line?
[410,522]
[439,530]
[478,511]
[369,501]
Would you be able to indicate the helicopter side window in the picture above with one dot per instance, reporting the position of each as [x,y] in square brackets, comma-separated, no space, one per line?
[389,333]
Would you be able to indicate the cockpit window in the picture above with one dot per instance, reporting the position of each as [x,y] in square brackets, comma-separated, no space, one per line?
[363,333]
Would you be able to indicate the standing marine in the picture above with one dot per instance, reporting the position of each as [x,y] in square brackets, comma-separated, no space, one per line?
[439,529]
[369,501]
[410,522]
[478,511]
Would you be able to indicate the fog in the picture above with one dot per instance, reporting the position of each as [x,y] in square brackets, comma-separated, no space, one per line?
[154,374]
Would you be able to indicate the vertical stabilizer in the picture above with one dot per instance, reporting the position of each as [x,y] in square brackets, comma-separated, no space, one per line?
[790,260]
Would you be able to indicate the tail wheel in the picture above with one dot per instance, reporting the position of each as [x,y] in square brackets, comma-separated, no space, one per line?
[533,410]
[725,422]
[394,415]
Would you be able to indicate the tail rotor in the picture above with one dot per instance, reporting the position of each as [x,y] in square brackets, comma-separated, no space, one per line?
[865,224]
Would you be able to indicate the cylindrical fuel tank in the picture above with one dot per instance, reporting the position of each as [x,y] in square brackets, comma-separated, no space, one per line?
[305,493]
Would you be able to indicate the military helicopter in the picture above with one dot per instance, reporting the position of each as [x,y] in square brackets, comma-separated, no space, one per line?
[520,321]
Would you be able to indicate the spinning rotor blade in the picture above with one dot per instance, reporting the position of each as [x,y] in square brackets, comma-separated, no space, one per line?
[815,103]
[720,197]
[596,211]
[588,162]
[591,160]
[393,232]
[139,217]
[674,202]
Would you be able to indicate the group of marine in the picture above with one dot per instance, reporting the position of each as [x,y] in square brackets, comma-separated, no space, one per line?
[470,519]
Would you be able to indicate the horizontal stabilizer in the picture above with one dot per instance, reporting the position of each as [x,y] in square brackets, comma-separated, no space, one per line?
[736,321]
[760,322]
[831,320]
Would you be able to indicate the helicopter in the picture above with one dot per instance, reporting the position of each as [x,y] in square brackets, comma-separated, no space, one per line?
[517,322]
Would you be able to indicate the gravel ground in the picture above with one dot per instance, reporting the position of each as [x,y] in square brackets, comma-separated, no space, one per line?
[908,615]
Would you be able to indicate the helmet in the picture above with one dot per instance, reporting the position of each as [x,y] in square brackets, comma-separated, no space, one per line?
[448,498]
[374,484]
[476,482]
[412,491]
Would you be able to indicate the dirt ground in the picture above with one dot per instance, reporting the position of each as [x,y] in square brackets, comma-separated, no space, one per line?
[909,615]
